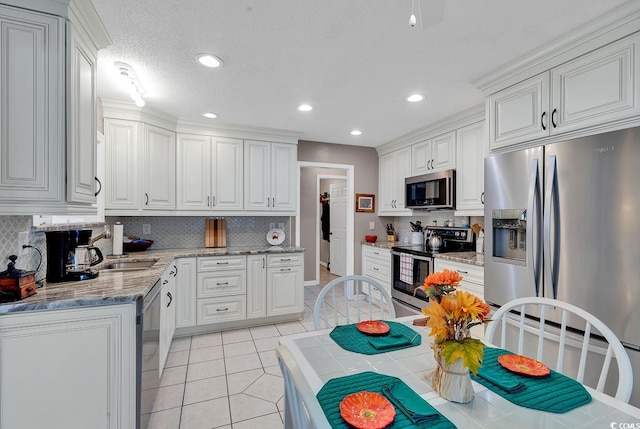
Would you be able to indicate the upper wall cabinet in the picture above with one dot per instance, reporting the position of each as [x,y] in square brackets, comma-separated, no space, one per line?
[434,154]
[140,166]
[470,153]
[393,168]
[209,173]
[32,105]
[270,176]
[594,89]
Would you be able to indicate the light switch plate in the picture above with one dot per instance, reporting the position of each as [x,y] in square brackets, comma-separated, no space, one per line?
[146,228]
[372,225]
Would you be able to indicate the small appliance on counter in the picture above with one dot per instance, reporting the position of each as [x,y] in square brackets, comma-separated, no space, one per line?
[70,256]
[16,284]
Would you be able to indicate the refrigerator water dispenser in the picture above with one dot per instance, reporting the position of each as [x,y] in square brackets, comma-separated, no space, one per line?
[509,235]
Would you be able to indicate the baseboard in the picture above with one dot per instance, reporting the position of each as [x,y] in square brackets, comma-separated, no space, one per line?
[324,264]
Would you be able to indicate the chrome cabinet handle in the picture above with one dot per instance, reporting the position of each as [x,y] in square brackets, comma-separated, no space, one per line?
[285,269]
[463,272]
[222,309]
[222,263]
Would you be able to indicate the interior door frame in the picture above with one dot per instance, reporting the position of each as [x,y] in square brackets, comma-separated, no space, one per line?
[349,177]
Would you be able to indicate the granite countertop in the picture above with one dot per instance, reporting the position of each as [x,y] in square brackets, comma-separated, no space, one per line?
[123,286]
[472,258]
[382,244]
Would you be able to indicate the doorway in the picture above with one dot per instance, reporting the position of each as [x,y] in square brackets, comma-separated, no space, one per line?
[307,222]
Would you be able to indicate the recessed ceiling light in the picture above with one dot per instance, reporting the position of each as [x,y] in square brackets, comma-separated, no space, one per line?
[210,115]
[356,132]
[414,98]
[305,108]
[209,60]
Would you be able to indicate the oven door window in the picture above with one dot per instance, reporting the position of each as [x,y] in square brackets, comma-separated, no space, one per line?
[407,280]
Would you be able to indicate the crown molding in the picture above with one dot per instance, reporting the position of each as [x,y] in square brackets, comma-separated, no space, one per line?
[83,15]
[448,124]
[605,29]
[129,111]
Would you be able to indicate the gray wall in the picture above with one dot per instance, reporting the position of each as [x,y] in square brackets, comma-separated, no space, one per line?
[365,162]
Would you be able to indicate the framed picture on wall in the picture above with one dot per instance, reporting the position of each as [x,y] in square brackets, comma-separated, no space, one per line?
[365,203]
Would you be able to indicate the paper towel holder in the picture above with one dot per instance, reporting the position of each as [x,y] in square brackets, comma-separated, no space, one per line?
[112,236]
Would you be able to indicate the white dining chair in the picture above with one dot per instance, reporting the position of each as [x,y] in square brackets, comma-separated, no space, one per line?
[535,334]
[301,408]
[334,307]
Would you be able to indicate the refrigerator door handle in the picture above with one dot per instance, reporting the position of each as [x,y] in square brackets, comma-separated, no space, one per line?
[551,185]
[534,202]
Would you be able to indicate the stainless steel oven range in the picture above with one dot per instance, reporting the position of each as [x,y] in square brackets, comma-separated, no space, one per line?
[411,264]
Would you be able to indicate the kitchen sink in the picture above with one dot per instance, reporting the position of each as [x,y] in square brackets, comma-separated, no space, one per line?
[129,265]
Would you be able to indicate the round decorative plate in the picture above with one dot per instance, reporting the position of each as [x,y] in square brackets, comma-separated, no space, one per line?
[275,237]
[523,365]
[367,410]
[373,327]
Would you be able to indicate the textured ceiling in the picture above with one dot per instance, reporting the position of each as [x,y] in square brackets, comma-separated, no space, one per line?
[354,61]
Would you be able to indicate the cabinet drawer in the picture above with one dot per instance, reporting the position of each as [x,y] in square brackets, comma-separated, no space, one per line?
[213,310]
[284,260]
[215,263]
[470,273]
[382,255]
[377,270]
[221,283]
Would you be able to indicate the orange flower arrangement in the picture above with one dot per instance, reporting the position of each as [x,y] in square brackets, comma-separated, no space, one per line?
[450,318]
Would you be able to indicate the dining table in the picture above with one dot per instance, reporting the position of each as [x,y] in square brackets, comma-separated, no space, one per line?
[309,361]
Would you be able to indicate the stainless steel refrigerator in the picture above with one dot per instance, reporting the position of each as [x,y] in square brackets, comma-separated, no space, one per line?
[561,221]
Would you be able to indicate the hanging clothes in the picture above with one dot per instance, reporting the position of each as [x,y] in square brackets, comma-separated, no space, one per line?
[325,221]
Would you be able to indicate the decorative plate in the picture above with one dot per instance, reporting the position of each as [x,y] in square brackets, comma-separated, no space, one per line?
[275,236]
[367,410]
[373,327]
[523,365]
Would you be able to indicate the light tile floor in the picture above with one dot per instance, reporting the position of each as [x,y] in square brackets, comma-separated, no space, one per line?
[229,379]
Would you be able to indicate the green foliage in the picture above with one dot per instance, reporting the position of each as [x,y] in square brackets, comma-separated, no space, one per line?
[470,350]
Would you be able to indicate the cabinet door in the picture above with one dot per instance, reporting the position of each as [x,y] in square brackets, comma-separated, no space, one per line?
[227,174]
[421,157]
[193,172]
[87,354]
[471,152]
[283,176]
[159,166]
[81,120]
[257,175]
[285,291]
[185,292]
[444,152]
[519,113]
[596,88]
[402,168]
[386,186]
[122,187]
[33,110]
[256,286]
[167,314]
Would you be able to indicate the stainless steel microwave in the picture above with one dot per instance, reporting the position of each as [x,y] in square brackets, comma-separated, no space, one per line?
[433,191]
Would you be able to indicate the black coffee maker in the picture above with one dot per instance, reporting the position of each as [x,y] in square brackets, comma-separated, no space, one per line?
[64,250]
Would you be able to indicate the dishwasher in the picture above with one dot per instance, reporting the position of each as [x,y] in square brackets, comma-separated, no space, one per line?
[147,354]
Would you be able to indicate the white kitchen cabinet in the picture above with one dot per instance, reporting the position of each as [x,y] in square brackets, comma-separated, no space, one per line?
[435,154]
[32,102]
[93,386]
[158,165]
[221,289]
[185,292]
[472,282]
[210,173]
[376,264]
[167,313]
[269,176]
[471,150]
[591,90]
[140,166]
[393,168]
[256,286]
[285,289]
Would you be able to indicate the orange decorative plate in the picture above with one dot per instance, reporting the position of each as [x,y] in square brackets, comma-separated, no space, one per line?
[373,327]
[523,365]
[367,410]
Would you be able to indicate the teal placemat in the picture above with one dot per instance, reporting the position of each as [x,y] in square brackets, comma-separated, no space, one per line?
[336,389]
[555,393]
[349,338]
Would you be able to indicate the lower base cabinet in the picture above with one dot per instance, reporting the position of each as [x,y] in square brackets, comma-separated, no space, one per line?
[167,313]
[285,290]
[72,369]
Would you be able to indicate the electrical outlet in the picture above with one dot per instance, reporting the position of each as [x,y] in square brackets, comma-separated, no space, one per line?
[372,225]
[272,225]
[146,228]
[281,225]
[23,240]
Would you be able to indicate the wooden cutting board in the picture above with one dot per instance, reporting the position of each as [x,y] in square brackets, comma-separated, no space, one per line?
[215,233]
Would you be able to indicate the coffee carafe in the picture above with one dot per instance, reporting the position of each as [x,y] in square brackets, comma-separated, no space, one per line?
[70,257]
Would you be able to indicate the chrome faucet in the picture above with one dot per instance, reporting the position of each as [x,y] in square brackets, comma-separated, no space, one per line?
[106,234]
